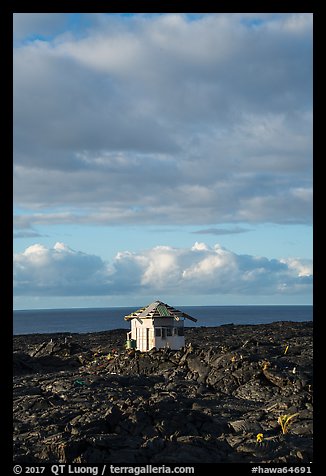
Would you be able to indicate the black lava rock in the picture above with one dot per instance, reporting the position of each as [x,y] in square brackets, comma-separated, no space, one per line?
[83,398]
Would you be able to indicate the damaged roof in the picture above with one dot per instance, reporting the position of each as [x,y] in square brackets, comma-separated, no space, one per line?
[158,309]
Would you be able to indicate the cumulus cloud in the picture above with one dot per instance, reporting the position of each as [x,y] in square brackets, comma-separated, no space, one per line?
[58,271]
[163,120]
[62,271]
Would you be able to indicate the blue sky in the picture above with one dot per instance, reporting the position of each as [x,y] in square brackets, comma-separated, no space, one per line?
[162,156]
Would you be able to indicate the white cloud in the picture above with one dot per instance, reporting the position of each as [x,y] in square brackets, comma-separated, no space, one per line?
[58,271]
[301,267]
[214,264]
[199,270]
[199,246]
[158,119]
[26,25]
[298,22]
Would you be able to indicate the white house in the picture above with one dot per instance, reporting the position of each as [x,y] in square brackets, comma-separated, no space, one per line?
[157,325]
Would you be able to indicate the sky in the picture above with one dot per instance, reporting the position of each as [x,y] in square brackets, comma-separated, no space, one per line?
[162,156]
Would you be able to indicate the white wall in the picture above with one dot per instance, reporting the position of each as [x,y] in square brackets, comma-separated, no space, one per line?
[144,334]
[172,342]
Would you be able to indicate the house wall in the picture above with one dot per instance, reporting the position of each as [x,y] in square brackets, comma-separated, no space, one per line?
[144,334]
[172,342]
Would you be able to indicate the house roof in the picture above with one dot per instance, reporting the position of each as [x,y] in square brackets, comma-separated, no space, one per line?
[158,309]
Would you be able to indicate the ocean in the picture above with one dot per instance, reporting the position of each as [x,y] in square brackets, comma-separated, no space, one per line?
[43,321]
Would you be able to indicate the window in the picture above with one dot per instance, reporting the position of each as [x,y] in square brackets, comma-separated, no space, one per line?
[164,332]
[180,331]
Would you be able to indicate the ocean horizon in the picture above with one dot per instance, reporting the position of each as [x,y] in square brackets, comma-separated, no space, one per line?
[83,320]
